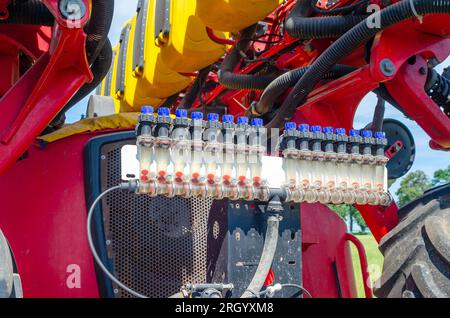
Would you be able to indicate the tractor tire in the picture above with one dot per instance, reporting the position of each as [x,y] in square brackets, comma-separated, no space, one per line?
[417,251]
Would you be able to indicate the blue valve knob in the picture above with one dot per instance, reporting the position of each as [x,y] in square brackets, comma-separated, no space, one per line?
[212,117]
[197,116]
[340,131]
[316,129]
[328,130]
[290,126]
[354,132]
[181,113]
[257,122]
[163,111]
[303,127]
[147,110]
[228,119]
[367,133]
[242,120]
[379,135]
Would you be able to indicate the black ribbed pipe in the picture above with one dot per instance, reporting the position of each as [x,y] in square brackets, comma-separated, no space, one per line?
[98,27]
[99,69]
[289,79]
[346,44]
[230,80]
[195,89]
[29,12]
[299,25]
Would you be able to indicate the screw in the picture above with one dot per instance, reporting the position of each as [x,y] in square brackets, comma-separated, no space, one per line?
[387,67]
[72,9]
[422,71]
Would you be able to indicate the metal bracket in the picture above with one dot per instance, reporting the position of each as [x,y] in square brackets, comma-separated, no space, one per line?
[162,18]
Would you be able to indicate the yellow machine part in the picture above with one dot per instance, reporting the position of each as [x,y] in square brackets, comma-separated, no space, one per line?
[188,47]
[115,121]
[133,96]
[233,15]
[147,79]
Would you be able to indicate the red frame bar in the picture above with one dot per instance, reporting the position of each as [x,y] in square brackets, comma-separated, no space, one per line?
[363,263]
[42,92]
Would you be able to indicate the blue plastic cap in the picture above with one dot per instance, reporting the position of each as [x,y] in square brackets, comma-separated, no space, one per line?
[379,135]
[147,110]
[212,117]
[181,113]
[258,122]
[316,129]
[242,120]
[367,133]
[290,125]
[340,131]
[197,116]
[303,127]
[163,111]
[328,130]
[354,132]
[228,119]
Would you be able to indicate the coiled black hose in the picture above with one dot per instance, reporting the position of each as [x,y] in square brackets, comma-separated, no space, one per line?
[97,28]
[351,40]
[289,79]
[230,80]
[195,89]
[300,25]
[99,69]
[29,12]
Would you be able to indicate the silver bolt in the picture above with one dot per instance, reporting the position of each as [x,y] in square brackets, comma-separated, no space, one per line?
[387,67]
[72,9]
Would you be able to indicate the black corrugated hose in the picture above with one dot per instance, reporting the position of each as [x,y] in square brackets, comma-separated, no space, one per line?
[230,80]
[346,44]
[29,12]
[195,89]
[289,79]
[300,25]
[99,69]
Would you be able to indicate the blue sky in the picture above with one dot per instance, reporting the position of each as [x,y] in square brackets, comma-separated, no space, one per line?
[426,159]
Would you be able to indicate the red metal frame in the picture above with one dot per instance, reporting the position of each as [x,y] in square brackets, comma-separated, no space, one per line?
[33,101]
[363,263]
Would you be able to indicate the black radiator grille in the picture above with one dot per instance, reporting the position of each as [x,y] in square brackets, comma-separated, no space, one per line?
[156,244]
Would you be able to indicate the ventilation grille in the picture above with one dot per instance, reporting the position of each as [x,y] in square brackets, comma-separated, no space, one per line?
[156,244]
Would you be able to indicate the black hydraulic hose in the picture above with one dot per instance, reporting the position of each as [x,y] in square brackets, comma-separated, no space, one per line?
[265,263]
[97,28]
[195,89]
[300,25]
[29,12]
[99,69]
[346,44]
[289,79]
[230,80]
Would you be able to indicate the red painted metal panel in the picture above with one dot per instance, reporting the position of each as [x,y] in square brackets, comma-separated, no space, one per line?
[327,263]
[43,215]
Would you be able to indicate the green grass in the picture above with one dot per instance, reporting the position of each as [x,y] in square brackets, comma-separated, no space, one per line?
[374,260]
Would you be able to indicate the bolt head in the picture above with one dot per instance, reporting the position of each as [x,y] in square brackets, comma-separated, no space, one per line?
[387,67]
[72,9]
